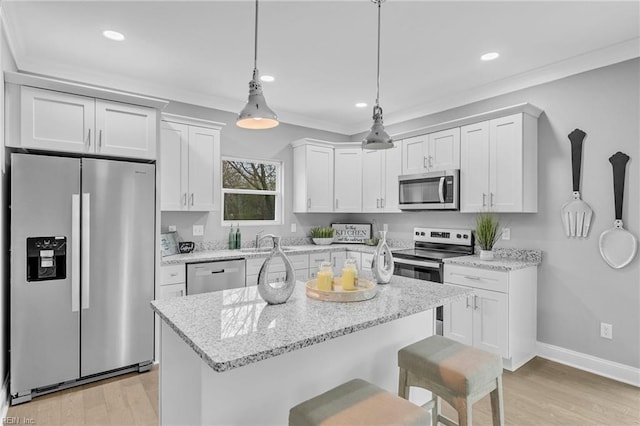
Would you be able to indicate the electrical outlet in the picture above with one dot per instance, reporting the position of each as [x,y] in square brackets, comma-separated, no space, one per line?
[172,228]
[293,228]
[606,330]
[385,227]
[506,233]
[198,230]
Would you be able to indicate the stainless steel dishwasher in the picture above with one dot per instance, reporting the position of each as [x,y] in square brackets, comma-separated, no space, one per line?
[214,276]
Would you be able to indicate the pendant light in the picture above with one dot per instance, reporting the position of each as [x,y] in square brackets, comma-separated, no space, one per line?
[256,114]
[377,138]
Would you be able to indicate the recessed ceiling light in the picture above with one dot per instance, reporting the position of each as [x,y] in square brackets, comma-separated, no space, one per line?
[267,78]
[361,104]
[489,56]
[113,35]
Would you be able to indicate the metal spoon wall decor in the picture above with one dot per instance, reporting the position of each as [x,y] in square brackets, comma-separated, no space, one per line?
[618,246]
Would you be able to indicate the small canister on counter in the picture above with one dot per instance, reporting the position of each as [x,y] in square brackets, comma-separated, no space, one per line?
[349,275]
[325,277]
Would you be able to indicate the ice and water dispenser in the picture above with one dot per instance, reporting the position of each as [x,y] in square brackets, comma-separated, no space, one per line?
[46,258]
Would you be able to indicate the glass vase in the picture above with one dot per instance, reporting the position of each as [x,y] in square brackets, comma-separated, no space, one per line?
[274,288]
[382,265]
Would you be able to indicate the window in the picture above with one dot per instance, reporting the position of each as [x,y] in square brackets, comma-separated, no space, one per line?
[251,191]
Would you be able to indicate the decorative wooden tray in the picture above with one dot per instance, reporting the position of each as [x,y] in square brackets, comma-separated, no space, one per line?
[365,290]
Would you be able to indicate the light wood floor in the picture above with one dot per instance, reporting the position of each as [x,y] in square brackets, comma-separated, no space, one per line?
[540,393]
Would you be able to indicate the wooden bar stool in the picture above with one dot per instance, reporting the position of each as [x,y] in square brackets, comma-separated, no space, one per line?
[457,373]
[355,403]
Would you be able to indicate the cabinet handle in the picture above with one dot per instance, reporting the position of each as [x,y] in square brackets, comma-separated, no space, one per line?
[468,306]
[377,203]
[471,277]
[192,199]
[382,203]
[181,293]
[89,138]
[336,203]
[184,199]
[308,203]
[484,199]
[430,161]
[475,302]
[100,139]
[425,163]
[173,274]
[491,199]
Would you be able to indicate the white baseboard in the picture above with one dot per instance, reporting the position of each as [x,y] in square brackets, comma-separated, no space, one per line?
[602,367]
[4,398]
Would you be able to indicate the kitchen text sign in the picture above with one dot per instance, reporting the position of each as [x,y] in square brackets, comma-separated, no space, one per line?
[357,233]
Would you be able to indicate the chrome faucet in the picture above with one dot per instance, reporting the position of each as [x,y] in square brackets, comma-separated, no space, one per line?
[258,239]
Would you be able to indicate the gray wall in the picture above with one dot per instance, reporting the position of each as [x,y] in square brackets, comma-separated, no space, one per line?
[259,144]
[576,289]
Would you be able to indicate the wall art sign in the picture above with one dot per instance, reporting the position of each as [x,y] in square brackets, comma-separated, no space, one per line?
[356,233]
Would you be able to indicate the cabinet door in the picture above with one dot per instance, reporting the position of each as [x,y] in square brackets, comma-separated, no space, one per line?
[392,169]
[125,130]
[55,121]
[414,155]
[204,160]
[444,150]
[348,179]
[357,257]
[319,179]
[490,322]
[505,160]
[172,290]
[174,165]
[458,321]
[474,167]
[372,166]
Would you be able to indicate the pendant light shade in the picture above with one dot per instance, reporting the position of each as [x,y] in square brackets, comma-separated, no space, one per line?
[377,138]
[256,114]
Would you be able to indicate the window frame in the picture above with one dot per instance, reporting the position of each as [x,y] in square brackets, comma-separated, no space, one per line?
[278,192]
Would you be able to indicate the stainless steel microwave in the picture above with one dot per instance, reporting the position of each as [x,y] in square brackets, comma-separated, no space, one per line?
[430,191]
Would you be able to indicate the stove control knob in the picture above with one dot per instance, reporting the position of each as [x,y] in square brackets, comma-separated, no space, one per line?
[458,236]
[422,234]
[417,233]
[466,237]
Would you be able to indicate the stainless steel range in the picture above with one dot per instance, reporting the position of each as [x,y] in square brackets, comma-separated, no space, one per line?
[425,260]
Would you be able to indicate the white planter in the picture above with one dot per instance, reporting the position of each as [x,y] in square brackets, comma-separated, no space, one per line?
[322,241]
[486,255]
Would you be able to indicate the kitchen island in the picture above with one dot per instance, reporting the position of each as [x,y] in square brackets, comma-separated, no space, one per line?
[229,358]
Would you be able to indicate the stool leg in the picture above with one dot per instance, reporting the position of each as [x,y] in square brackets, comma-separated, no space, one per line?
[497,407]
[403,389]
[465,412]
[435,410]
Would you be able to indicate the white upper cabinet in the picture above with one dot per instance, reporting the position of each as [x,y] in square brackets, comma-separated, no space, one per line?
[56,121]
[380,171]
[348,179]
[432,152]
[444,150]
[189,166]
[125,130]
[313,164]
[414,155]
[498,162]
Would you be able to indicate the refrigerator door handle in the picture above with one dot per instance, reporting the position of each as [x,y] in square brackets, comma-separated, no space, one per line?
[86,242]
[75,252]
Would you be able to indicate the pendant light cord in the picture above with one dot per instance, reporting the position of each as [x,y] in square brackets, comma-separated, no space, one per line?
[379,2]
[255,41]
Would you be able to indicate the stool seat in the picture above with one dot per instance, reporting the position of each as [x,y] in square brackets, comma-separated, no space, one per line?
[457,373]
[357,402]
[459,367]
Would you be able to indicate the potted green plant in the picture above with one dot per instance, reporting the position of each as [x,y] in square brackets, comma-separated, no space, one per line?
[322,235]
[487,234]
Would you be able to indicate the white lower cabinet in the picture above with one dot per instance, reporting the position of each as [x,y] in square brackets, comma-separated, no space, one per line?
[171,290]
[300,265]
[500,317]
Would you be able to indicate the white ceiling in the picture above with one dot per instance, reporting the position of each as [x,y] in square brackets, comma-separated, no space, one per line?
[322,53]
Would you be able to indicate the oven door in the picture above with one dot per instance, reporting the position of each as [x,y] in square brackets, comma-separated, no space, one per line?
[422,270]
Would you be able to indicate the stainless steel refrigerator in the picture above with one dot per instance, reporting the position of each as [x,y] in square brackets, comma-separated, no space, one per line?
[82,271]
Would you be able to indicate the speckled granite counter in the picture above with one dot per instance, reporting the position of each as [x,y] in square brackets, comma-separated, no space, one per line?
[211,255]
[505,260]
[234,328]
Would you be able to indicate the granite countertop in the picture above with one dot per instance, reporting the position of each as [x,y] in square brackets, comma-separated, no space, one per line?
[232,328]
[210,255]
[505,260]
